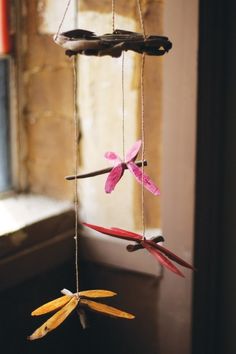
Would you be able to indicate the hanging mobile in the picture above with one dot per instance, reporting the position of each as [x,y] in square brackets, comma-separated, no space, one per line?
[64,305]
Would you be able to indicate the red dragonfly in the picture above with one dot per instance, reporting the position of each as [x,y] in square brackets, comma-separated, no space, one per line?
[162,254]
[129,163]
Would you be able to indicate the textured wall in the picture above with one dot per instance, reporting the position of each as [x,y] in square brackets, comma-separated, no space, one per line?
[47,108]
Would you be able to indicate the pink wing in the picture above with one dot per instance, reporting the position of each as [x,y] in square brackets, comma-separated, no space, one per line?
[113,178]
[112,156]
[133,151]
[115,232]
[170,254]
[162,259]
[142,177]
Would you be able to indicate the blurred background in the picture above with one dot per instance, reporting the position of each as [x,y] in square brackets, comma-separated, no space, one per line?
[189,117]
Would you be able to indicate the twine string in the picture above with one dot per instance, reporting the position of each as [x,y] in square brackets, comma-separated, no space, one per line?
[76,163]
[123,103]
[76,141]
[63,18]
[141,18]
[113,3]
[143,145]
[76,156]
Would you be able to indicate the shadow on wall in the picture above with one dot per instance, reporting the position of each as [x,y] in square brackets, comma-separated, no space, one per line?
[136,294]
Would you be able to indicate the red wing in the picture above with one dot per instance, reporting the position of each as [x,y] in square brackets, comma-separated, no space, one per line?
[128,233]
[113,178]
[162,259]
[170,255]
[113,232]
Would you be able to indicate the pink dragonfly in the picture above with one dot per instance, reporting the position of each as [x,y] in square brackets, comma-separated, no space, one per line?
[129,162]
[162,254]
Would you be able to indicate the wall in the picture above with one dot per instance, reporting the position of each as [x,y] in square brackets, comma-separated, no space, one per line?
[178,177]
[45,86]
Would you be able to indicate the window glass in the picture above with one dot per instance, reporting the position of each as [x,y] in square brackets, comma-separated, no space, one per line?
[5,169]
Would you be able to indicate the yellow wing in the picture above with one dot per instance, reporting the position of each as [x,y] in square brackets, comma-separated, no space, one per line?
[54,321]
[52,305]
[97,293]
[106,310]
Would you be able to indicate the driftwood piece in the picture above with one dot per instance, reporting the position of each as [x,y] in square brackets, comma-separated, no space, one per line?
[85,42]
[101,172]
[139,246]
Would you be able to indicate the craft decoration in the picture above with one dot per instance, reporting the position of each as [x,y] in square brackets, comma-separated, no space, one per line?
[113,44]
[79,41]
[159,252]
[116,172]
[119,168]
[65,304]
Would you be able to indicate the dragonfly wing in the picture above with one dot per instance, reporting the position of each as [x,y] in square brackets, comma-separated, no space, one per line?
[97,293]
[115,232]
[52,305]
[112,156]
[171,255]
[133,152]
[143,178]
[55,321]
[106,310]
[162,259]
[113,178]
[128,233]
[111,232]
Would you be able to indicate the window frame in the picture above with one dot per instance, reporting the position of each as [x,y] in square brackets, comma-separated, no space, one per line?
[5,129]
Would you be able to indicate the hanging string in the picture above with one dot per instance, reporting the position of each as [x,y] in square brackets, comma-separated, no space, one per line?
[76,199]
[142,120]
[63,18]
[76,162]
[123,104]
[113,14]
[143,143]
[141,18]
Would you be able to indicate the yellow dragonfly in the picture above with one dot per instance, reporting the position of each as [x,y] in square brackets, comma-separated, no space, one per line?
[65,304]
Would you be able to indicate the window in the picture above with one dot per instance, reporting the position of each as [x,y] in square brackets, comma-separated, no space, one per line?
[5,165]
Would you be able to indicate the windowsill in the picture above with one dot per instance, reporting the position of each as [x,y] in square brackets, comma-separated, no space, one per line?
[36,234]
[20,211]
